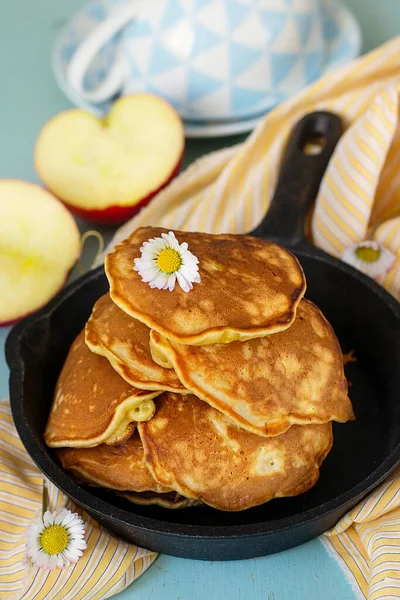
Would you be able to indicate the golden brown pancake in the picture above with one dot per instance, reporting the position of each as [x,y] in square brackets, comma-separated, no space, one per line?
[249,288]
[92,403]
[124,341]
[171,500]
[120,467]
[268,384]
[194,449]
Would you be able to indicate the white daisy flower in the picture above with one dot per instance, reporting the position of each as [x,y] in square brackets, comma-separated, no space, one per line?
[164,261]
[56,540]
[370,258]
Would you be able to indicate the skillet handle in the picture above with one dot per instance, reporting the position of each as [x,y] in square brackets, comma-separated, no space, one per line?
[300,176]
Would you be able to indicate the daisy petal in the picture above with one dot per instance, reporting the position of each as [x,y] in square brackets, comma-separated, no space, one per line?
[171,240]
[171,282]
[67,518]
[76,532]
[76,529]
[159,281]
[184,284]
[149,274]
[61,515]
[189,257]
[59,561]
[187,272]
[48,518]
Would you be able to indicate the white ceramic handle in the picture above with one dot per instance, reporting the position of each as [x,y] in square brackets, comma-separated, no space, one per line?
[91,46]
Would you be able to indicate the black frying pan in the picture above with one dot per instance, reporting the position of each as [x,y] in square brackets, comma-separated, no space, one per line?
[365,318]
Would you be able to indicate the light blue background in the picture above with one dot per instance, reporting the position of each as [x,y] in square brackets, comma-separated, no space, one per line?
[29,97]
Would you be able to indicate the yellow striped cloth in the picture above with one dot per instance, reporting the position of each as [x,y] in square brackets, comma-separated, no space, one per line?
[108,564]
[367,540]
[359,198]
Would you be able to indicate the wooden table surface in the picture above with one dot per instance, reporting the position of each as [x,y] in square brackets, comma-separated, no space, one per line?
[29,98]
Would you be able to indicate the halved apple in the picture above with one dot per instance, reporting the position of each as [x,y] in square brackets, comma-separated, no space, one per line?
[105,170]
[39,245]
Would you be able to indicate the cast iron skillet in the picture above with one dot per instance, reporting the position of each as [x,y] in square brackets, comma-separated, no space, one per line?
[365,318]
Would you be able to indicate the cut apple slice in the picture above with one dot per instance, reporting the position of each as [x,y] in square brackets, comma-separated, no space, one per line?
[39,245]
[105,170]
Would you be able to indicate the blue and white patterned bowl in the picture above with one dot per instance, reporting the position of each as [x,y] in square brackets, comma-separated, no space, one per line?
[227,72]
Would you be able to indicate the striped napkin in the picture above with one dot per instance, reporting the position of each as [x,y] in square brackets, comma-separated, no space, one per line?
[367,542]
[108,564]
[229,191]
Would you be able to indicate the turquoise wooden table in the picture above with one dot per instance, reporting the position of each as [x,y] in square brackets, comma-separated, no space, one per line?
[29,98]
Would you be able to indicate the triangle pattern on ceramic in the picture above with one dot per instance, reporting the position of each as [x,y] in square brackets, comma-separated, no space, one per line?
[188,5]
[139,53]
[250,32]
[312,66]
[241,58]
[212,103]
[136,86]
[172,85]
[293,27]
[281,65]
[179,40]
[288,33]
[199,85]
[154,17]
[173,14]
[236,13]
[214,63]
[290,83]
[214,17]
[315,42]
[202,3]
[273,22]
[204,40]
[257,76]
[161,59]
[304,23]
[246,100]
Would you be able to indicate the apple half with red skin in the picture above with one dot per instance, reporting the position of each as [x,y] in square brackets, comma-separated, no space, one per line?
[39,244]
[106,170]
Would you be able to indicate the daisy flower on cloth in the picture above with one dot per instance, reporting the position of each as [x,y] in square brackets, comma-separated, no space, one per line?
[370,258]
[56,540]
[164,261]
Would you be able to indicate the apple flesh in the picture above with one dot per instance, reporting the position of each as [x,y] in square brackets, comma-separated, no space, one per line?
[106,170]
[39,245]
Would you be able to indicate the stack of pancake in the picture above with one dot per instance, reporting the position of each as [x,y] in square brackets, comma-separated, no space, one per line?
[224,395]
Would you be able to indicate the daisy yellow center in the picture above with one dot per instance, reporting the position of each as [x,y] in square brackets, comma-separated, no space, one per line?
[169,260]
[367,254]
[54,539]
